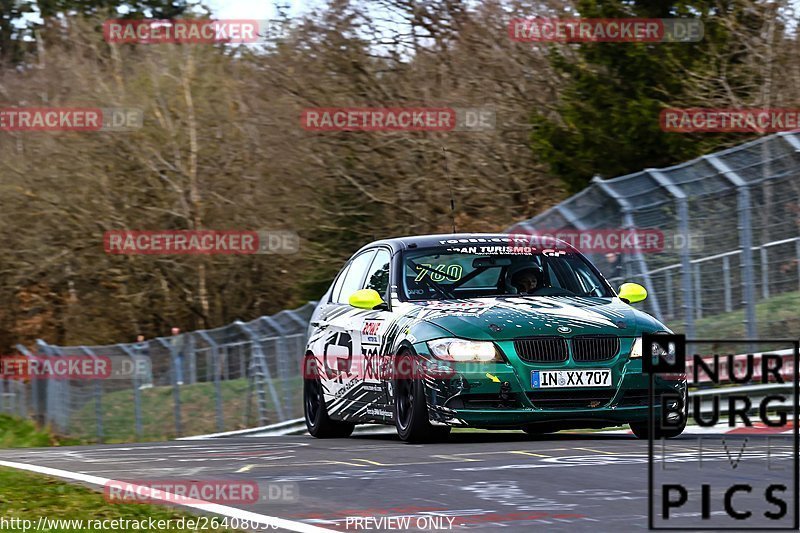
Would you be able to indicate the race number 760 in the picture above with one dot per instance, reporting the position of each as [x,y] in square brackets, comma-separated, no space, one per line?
[451,272]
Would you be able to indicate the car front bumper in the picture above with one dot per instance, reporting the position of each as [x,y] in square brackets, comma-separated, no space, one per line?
[498,395]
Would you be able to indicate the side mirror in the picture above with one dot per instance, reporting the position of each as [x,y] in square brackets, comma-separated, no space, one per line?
[366,299]
[632,293]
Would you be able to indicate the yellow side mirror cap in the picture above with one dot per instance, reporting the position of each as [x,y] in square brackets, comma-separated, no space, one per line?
[365,299]
[632,292]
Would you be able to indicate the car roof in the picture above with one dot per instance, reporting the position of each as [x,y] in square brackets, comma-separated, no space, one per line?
[429,241]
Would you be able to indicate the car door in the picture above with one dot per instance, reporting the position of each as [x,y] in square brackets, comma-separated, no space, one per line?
[367,332]
[334,345]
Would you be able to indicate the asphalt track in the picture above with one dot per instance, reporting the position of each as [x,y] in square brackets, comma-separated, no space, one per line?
[483,481]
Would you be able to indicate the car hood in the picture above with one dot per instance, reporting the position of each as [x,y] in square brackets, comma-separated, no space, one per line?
[500,319]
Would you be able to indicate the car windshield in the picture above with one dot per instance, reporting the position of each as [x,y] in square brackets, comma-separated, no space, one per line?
[467,272]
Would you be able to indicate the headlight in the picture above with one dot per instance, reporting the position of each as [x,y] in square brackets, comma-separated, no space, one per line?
[461,351]
[636,349]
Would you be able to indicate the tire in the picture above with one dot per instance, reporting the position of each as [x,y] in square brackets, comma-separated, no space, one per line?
[642,430]
[318,422]
[410,407]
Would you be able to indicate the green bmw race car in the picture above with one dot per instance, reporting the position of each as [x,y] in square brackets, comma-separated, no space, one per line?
[477,330]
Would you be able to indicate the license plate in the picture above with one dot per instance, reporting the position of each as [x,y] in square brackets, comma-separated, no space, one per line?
[550,379]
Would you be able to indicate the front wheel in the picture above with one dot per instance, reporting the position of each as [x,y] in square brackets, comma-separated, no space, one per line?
[410,407]
[319,424]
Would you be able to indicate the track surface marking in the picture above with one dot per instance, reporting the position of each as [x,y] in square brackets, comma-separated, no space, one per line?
[484,481]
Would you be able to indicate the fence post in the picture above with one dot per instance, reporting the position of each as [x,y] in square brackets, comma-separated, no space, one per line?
[698,290]
[12,397]
[37,405]
[764,272]
[303,324]
[670,297]
[283,364]
[242,363]
[23,395]
[682,204]
[98,397]
[260,370]
[726,282]
[797,256]
[745,241]
[303,327]
[176,392]
[627,216]
[57,393]
[226,357]
[217,385]
[190,345]
[137,395]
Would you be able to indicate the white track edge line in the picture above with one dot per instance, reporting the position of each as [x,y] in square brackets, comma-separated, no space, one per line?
[231,512]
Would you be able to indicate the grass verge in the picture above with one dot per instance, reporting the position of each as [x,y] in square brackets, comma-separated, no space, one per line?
[776,317]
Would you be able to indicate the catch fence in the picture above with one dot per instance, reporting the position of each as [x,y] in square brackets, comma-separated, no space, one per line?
[205,381]
[731,227]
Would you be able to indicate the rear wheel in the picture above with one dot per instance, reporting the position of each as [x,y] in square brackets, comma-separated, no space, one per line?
[318,422]
[410,407]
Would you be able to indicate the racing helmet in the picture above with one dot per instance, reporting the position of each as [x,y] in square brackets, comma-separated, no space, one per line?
[515,272]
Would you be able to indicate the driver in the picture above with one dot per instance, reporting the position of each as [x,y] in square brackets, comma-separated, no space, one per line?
[527,280]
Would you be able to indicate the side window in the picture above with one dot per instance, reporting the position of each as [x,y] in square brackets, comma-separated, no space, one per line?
[378,274]
[355,275]
[337,287]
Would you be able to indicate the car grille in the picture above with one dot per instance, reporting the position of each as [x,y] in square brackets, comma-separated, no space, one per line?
[594,347]
[571,399]
[542,349]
